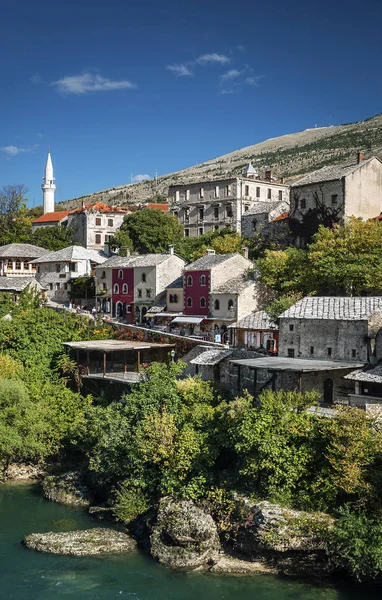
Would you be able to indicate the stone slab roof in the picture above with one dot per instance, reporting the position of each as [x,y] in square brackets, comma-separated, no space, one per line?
[299,365]
[257,320]
[330,173]
[17,284]
[176,284]
[72,253]
[141,260]
[22,251]
[368,375]
[331,307]
[209,261]
[211,357]
[233,286]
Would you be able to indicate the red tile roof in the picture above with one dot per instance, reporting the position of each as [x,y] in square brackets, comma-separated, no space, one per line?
[281,217]
[378,218]
[52,217]
[100,207]
[156,206]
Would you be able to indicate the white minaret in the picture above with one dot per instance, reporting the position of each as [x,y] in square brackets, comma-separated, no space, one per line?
[48,187]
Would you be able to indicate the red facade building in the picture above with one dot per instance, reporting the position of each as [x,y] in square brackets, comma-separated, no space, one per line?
[123,293]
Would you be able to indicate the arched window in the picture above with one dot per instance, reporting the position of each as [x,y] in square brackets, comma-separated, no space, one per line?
[175,298]
[189,280]
[103,275]
[217,305]
[230,304]
[143,277]
[116,288]
[171,299]
[202,302]
[120,274]
[202,280]
[125,288]
[189,302]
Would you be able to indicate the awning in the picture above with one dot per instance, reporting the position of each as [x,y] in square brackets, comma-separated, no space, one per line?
[153,311]
[166,314]
[189,320]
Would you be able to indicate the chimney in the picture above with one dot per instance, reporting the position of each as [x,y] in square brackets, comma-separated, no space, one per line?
[83,205]
[210,251]
[359,157]
[170,249]
[244,252]
[268,175]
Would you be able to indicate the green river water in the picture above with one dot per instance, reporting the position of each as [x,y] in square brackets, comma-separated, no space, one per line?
[28,575]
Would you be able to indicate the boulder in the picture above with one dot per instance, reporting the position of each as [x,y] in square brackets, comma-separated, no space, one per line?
[81,543]
[102,513]
[24,471]
[184,537]
[67,488]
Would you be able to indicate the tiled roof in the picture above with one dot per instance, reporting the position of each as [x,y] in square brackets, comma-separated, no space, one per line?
[177,283]
[100,207]
[257,320]
[52,217]
[141,260]
[262,207]
[233,286]
[373,375]
[156,206]
[72,253]
[209,261]
[22,251]
[282,217]
[341,308]
[330,173]
[211,357]
[16,284]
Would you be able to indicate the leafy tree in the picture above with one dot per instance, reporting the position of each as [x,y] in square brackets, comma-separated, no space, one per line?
[121,241]
[83,287]
[53,238]
[152,230]
[15,220]
[6,303]
[280,304]
[286,271]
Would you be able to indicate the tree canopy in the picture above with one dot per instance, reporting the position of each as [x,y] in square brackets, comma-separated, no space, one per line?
[151,231]
[53,238]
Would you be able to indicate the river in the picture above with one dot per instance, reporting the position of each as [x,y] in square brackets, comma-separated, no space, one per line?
[28,575]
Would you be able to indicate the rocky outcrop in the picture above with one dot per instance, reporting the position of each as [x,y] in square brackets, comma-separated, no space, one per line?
[23,471]
[291,541]
[102,513]
[81,543]
[184,536]
[67,488]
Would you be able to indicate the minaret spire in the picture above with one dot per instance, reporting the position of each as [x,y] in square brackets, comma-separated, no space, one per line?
[48,186]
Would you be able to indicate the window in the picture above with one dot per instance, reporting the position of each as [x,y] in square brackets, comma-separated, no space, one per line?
[202,302]
[58,268]
[65,286]
[217,305]
[148,293]
[33,267]
[228,211]
[98,221]
[354,353]
[246,207]
[139,293]
[257,192]
[98,238]
[18,265]
[10,264]
[280,194]
[311,350]
[104,286]
[216,212]
[329,351]
[200,230]
[303,203]
[216,227]
[103,275]
[201,214]
[189,280]
[116,288]
[57,286]
[51,286]
[187,194]
[269,194]
[176,299]
[201,193]
[177,196]
[125,288]
[291,327]
[246,190]
[120,274]
[143,277]
[334,199]
[230,304]
[110,222]
[216,191]
[189,302]
[202,280]
[129,308]
[187,214]
[254,223]
[290,352]
[186,233]
[228,190]
[173,299]
[73,267]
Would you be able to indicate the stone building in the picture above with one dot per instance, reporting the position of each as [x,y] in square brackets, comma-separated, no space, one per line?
[55,271]
[53,219]
[17,260]
[95,224]
[255,330]
[263,217]
[334,193]
[215,204]
[16,285]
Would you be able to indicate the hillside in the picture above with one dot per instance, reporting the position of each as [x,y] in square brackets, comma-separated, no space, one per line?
[289,156]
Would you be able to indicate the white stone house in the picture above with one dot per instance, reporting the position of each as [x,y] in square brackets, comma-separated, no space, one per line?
[95,224]
[259,219]
[215,204]
[17,260]
[56,270]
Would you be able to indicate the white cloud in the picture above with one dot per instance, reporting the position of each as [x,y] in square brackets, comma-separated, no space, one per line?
[223,92]
[254,80]
[207,59]
[140,177]
[36,78]
[90,82]
[180,70]
[15,150]
[229,75]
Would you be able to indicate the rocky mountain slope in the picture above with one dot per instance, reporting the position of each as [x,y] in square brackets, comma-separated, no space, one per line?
[290,156]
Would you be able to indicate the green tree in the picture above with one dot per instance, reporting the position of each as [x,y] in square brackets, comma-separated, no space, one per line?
[53,238]
[122,242]
[15,220]
[152,230]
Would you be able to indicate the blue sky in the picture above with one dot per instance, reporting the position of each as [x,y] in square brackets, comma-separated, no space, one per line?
[122,87]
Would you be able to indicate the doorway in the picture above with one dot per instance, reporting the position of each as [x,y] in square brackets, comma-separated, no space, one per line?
[328,391]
